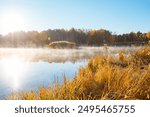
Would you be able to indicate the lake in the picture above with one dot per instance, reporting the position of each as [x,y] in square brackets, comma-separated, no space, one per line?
[25,69]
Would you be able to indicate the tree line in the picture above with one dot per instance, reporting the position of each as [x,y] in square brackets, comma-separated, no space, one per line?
[78,36]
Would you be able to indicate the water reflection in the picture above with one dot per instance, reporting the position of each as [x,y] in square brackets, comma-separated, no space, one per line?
[18,74]
[23,69]
[12,71]
[60,55]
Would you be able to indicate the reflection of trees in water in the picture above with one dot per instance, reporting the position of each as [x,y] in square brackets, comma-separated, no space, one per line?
[49,55]
[61,58]
[59,55]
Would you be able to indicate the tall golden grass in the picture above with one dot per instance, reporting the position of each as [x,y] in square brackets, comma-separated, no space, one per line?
[105,77]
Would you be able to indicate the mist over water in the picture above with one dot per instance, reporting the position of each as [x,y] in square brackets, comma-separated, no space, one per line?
[26,68]
[60,55]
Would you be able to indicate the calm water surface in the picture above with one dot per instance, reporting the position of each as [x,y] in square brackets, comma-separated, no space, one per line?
[23,69]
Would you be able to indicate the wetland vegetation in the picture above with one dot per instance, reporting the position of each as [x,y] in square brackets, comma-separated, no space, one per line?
[125,76]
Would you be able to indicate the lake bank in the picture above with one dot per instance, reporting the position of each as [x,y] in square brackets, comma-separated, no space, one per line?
[23,69]
[105,77]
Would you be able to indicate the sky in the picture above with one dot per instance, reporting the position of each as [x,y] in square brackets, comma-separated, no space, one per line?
[118,16]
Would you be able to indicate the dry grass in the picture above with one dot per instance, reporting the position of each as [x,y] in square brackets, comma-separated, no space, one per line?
[105,77]
[62,44]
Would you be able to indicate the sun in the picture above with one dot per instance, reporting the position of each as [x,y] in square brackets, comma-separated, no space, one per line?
[11,22]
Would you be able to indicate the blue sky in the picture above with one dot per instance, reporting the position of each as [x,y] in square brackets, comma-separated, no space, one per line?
[120,16]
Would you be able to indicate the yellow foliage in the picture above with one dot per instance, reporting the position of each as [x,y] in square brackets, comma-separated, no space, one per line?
[105,77]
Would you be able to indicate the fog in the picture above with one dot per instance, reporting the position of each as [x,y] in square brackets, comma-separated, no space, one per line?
[61,55]
[31,68]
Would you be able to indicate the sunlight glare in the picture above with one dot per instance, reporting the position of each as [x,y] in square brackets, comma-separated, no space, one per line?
[11,22]
[13,68]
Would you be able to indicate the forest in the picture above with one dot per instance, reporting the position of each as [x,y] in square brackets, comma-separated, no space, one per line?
[81,37]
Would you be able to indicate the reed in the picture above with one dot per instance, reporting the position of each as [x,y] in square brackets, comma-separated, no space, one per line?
[105,77]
